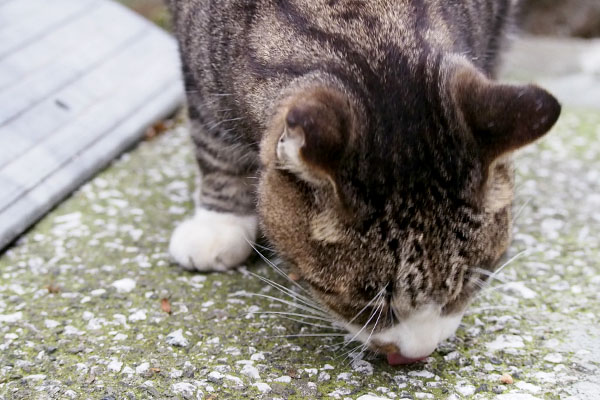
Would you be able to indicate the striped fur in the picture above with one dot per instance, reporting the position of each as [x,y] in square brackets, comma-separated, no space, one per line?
[398,176]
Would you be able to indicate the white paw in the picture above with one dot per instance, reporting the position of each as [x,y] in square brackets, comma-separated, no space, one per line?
[213,241]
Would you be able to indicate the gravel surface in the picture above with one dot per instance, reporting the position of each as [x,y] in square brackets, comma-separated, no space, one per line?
[92,307]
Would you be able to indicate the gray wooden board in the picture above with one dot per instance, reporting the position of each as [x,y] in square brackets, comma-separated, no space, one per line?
[80,81]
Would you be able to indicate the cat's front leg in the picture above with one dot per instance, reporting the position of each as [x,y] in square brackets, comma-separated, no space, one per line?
[220,234]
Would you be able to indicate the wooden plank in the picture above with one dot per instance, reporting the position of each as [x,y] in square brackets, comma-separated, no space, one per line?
[132,73]
[98,48]
[18,216]
[73,98]
[24,21]
[42,53]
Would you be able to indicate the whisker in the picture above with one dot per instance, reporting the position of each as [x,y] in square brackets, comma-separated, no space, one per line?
[276,268]
[289,303]
[367,323]
[334,334]
[365,307]
[520,210]
[287,313]
[315,325]
[288,292]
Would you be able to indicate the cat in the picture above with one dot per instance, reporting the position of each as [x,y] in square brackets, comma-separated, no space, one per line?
[372,140]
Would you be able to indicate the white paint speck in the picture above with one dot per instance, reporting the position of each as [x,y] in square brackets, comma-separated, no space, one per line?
[124,285]
[176,338]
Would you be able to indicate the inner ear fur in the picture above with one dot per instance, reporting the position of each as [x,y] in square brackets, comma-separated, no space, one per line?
[502,118]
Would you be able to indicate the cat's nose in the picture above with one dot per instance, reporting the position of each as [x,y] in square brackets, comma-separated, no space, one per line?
[398,359]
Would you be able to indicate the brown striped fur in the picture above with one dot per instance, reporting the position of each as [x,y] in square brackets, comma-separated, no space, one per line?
[403,179]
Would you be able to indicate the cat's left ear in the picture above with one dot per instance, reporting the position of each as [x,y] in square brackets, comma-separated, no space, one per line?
[502,117]
[316,132]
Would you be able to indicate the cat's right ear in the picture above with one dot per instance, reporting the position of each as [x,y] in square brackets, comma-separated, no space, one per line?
[316,132]
[502,118]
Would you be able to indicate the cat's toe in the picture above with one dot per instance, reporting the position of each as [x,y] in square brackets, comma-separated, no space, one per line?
[213,241]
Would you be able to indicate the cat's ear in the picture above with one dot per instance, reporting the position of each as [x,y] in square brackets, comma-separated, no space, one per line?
[502,117]
[317,127]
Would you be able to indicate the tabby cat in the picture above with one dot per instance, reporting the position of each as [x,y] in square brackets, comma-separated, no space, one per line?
[371,144]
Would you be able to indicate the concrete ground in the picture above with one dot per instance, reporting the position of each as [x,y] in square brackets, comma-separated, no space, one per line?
[92,307]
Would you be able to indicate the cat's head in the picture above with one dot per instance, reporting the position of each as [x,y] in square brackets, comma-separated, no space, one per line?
[393,202]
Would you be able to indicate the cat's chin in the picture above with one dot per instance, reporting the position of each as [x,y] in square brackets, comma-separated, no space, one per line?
[213,241]
[414,338]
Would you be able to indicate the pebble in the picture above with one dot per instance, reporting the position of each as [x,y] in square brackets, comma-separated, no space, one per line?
[362,367]
[503,342]
[114,366]
[554,358]
[262,387]
[324,377]
[51,324]
[507,379]
[215,377]
[371,397]
[465,389]
[139,315]
[528,387]
[98,292]
[421,374]
[516,396]
[185,389]
[11,318]
[143,367]
[283,379]
[176,338]
[124,285]
[250,371]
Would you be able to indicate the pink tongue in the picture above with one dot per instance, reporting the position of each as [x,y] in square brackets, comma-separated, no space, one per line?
[398,359]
